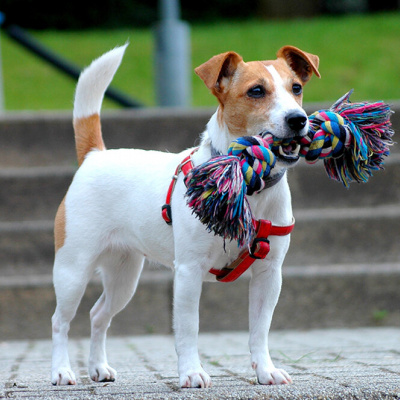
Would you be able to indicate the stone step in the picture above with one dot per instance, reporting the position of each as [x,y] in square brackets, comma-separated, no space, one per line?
[31,194]
[321,236]
[328,236]
[311,187]
[349,295]
[26,247]
[35,193]
[46,138]
[334,225]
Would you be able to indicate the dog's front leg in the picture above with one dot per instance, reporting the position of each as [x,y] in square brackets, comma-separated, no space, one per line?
[265,286]
[187,291]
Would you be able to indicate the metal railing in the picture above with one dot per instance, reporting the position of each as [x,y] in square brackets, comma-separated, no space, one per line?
[25,39]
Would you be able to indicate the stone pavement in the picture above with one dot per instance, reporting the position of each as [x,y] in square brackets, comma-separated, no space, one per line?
[360,363]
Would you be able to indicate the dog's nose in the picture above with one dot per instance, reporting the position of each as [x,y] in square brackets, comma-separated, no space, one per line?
[296,121]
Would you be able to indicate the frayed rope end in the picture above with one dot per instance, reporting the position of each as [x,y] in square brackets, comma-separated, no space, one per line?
[355,139]
[217,195]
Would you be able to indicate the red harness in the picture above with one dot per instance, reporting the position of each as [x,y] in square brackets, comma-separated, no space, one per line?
[259,248]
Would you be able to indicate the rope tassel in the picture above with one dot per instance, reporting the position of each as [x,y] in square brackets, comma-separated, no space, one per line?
[351,138]
[216,189]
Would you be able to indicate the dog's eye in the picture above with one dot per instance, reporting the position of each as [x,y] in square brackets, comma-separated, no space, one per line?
[256,92]
[297,89]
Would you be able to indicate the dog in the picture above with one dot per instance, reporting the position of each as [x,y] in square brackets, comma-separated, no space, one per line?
[110,219]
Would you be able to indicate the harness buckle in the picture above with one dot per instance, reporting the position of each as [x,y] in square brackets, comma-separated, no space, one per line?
[166,213]
[259,248]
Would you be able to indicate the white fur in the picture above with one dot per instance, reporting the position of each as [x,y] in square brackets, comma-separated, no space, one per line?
[93,82]
[113,221]
[283,105]
[218,135]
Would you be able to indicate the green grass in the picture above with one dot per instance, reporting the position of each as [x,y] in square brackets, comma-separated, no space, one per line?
[360,52]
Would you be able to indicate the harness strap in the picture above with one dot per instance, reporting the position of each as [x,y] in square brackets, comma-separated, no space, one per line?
[259,248]
[185,166]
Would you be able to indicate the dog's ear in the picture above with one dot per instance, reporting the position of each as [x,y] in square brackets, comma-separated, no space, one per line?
[302,63]
[221,66]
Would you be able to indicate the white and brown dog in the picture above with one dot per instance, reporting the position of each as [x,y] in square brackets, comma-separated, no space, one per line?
[110,218]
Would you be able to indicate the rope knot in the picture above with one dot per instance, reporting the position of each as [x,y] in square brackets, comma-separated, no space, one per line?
[256,160]
[328,136]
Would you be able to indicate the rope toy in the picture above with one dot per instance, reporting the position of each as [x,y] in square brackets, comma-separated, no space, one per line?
[351,138]
[216,189]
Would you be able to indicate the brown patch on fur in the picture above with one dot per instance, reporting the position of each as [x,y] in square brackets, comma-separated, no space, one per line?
[242,114]
[302,63]
[59,226]
[87,136]
[221,66]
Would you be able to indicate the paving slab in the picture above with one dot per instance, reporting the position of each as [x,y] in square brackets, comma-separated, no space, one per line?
[362,363]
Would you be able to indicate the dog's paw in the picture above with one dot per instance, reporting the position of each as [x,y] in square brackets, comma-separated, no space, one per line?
[273,376]
[63,376]
[102,373]
[195,379]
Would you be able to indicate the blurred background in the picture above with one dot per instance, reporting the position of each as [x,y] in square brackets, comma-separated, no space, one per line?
[358,43]
[343,265]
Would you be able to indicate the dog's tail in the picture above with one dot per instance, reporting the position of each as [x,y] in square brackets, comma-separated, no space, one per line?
[89,94]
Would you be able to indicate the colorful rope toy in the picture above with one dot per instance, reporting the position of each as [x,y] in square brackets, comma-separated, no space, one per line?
[351,138]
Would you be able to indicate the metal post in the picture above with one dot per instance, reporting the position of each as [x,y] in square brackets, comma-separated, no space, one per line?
[2,106]
[172,57]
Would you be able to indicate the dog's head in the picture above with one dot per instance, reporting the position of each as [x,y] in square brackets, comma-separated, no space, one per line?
[260,96]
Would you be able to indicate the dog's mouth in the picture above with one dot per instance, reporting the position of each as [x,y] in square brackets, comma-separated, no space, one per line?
[287,151]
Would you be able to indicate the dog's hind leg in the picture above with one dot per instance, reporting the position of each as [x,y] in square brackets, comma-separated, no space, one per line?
[71,275]
[120,273]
